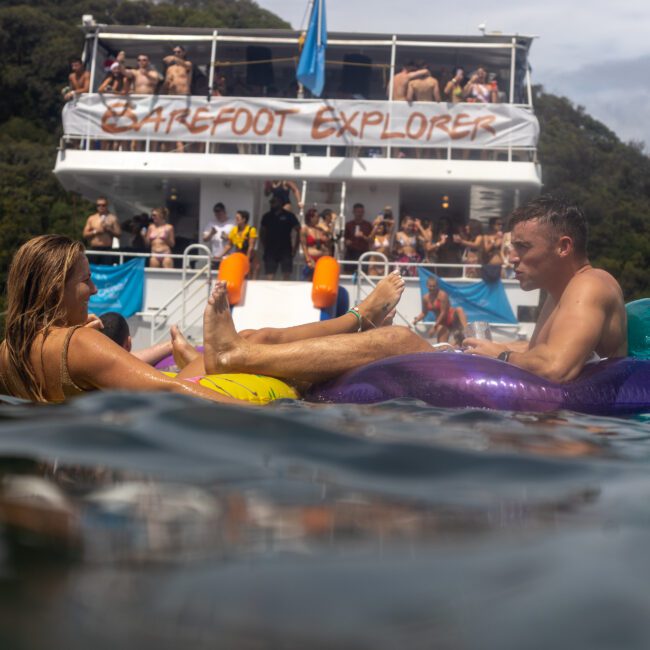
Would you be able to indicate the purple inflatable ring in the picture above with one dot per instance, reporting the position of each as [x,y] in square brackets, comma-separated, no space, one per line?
[447,379]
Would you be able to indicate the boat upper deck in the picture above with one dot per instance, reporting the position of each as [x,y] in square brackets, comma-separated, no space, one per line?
[243,102]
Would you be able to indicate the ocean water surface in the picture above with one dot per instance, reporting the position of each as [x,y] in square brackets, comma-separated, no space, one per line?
[156,521]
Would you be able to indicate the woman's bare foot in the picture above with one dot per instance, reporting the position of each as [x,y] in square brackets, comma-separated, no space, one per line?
[182,350]
[222,346]
[383,299]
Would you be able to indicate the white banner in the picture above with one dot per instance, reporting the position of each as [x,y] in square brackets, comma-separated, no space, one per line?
[286,121]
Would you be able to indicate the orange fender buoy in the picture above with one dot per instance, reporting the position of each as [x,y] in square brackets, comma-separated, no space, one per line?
[233,270]
[325,286]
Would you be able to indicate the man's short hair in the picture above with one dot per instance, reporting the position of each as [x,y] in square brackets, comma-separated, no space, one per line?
[115,327]
[219,206]
[566,219]
[358,205]
[75,59]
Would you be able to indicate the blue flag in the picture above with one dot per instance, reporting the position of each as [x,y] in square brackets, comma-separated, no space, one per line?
[311,67]
[119,288]
[481,301]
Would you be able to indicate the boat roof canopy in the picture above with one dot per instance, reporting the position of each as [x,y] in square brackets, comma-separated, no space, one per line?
[491,50]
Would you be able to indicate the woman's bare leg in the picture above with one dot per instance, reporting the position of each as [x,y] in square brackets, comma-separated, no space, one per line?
[376,310]
[308,360]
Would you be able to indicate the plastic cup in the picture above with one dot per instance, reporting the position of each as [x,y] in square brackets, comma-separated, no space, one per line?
[478,329]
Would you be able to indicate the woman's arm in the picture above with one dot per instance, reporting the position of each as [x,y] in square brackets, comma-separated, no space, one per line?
[147,238]
[94,361]
[171,236]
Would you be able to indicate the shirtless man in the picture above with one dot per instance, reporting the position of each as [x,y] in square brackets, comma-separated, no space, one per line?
[144,78]
[178,75]
[584,314]
[423,89]
[78,80]
[403,77]
[448,319]
[178,78]
[99,231]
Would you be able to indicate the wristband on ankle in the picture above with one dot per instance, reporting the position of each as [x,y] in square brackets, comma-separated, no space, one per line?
[355,311]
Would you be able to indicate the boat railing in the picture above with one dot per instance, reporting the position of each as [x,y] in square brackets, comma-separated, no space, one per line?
[185,305]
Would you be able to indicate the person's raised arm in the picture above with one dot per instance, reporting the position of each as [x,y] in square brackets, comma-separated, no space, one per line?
[114,226]
[209,233]
[436,91]
[296,193]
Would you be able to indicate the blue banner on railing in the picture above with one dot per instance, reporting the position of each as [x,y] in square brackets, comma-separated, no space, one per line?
[480,300]
[119,288]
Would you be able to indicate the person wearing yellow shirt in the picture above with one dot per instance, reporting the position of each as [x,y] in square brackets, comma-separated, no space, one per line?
[243,239]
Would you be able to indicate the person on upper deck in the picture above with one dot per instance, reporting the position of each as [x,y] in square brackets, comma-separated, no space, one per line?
[583,317]
[454,87]
[402,78]
[492,243]
[424,88]
[78,80]
[217,232]
[144,78]
[116,81]
[178,73]
[479,89]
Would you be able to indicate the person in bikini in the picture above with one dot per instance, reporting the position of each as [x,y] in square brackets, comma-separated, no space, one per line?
[312,242]
[583,317]
[406,246]
[53,351]
[448,319]
[160,239]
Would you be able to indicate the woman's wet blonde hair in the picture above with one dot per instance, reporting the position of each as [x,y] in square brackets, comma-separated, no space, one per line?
[35,303]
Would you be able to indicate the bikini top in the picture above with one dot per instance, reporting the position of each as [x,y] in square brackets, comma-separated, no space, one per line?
[68,387]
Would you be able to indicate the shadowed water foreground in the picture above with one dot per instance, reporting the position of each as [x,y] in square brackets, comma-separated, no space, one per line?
[156,521]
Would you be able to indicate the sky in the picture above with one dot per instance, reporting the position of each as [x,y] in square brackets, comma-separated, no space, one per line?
[596,53]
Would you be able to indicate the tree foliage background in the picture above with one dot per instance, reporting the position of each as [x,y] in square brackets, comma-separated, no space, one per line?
[580,157]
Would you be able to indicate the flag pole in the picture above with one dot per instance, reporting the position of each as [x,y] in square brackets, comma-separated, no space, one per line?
[320,18]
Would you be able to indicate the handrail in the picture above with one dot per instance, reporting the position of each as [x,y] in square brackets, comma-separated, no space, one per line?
[161,314]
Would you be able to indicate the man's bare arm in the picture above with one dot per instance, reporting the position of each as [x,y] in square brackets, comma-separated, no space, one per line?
[574,333]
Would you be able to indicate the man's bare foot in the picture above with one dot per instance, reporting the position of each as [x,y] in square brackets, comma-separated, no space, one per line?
[389,318]
[383,299]
[221,343]
[182,350]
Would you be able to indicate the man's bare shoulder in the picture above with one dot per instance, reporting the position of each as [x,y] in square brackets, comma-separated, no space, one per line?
[595,285]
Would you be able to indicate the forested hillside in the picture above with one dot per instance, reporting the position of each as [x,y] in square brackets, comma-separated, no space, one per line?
[581,158]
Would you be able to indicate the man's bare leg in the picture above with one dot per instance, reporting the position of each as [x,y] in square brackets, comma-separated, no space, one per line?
[309,360]
[376,310]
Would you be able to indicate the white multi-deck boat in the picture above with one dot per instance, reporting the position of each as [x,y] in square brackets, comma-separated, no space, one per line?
[356,144]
